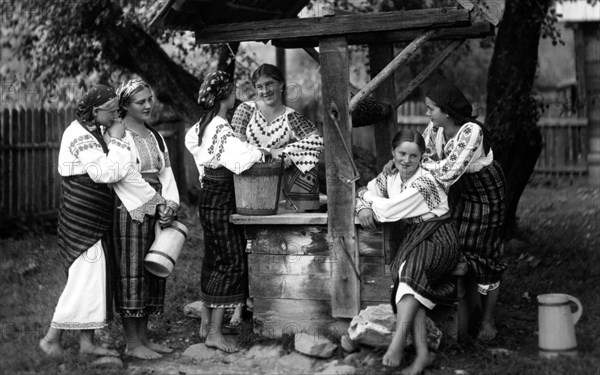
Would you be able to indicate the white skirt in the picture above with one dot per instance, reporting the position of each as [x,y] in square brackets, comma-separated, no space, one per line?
[404,289]
[82,304]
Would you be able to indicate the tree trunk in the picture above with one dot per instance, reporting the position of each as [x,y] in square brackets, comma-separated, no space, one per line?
[512,113]
[132,48]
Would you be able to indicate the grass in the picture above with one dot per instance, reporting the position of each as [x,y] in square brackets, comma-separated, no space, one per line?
[556,251]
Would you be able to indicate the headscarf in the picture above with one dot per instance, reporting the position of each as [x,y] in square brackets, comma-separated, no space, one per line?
[128,89]
[452,101]
[214,88]
[97,96]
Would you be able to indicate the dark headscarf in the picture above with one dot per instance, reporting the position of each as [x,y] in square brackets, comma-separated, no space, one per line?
[452,101]
[215,87]
[97,96]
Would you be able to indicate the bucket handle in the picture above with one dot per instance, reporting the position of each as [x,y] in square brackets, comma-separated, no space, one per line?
[577,314]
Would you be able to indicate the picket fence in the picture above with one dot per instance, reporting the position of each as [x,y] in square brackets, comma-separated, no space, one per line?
[30,141]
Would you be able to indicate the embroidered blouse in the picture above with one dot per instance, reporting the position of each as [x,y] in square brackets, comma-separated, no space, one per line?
[464,153]
[291,131]
[419,199]
[81,153]
[136,194]
[221,148]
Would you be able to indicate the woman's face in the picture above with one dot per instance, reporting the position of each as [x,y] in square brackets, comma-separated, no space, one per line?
[407,158]
[140,106]
[269,90]
[435,114]
[106,116]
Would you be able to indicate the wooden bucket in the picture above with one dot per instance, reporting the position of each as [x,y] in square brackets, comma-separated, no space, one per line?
[257,189]
[168,242]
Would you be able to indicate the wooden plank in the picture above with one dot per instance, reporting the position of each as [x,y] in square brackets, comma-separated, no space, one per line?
[477,30]
[275,317]
[406,55]
[304,240]
[340,194]
[330,26]
[304,218]
[14,165]
[429,68]
[5,161]
[380,55]
[316,287]
[289,264]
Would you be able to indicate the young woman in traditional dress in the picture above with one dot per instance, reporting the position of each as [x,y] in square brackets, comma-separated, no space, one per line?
[269,124]
[218,155]
[139,205]
[87,162]
[428,251]
[459,156]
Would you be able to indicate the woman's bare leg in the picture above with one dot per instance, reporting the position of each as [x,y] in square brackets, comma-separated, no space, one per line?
[135,347]
[406,310]
[50,344]
[487,329]
[215,338]
[143,334]
[424,358]
[87,346]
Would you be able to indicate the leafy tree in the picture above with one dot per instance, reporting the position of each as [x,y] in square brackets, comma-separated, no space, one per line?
[66,38]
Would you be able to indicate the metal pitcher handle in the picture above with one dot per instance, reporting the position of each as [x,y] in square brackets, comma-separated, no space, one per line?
[576,314]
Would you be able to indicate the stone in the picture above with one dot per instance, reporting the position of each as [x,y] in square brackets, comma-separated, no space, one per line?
[349,345]
[297,361]
[375,326]
[265,352]
[193,310]
[201,352]
[108,362]
[314,345]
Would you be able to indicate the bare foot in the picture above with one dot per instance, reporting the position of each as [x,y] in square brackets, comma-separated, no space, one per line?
[421,362]
[98,350]
[158,348]
[51,348]
[219,342]
[142,352]
[393,356]
[487,332]
[203,332]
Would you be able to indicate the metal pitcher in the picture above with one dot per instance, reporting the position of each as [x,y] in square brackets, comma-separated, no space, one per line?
[557,325]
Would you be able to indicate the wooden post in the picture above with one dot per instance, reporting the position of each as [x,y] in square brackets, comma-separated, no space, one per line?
[404,56]
[345,292]
[379,56]
[281,64]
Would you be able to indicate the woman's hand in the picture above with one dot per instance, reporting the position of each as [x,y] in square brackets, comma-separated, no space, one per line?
[166,216]
[287,161]
[266,155]
[366,217]
[276,152]
[390,168]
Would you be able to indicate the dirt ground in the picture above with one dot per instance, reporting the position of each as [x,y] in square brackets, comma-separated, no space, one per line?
[556,251]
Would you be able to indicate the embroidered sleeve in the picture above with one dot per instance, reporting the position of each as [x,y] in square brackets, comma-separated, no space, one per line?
[428,190]
[306,150]
[376,187]
[240,120]
[429,134]
[232,153]
[460,154]
[101,167]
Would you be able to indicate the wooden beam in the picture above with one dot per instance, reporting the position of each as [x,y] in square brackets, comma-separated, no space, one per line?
[338,25]
[345,296]
[477,30]
[379,57]
[423,74]
[404,56]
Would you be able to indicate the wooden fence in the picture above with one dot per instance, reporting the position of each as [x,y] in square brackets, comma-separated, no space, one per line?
[30,141]
[29,146]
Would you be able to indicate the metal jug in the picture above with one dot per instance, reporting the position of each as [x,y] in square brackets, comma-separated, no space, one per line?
[557,325]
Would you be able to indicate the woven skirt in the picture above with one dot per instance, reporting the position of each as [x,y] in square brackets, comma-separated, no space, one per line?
[224,277]
[428,254]
[138,292]
[301,189]
[478,202]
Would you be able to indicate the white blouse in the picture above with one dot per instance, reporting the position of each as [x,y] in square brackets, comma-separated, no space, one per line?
[464,153]
[221,148]
[419,199]
[81,153]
